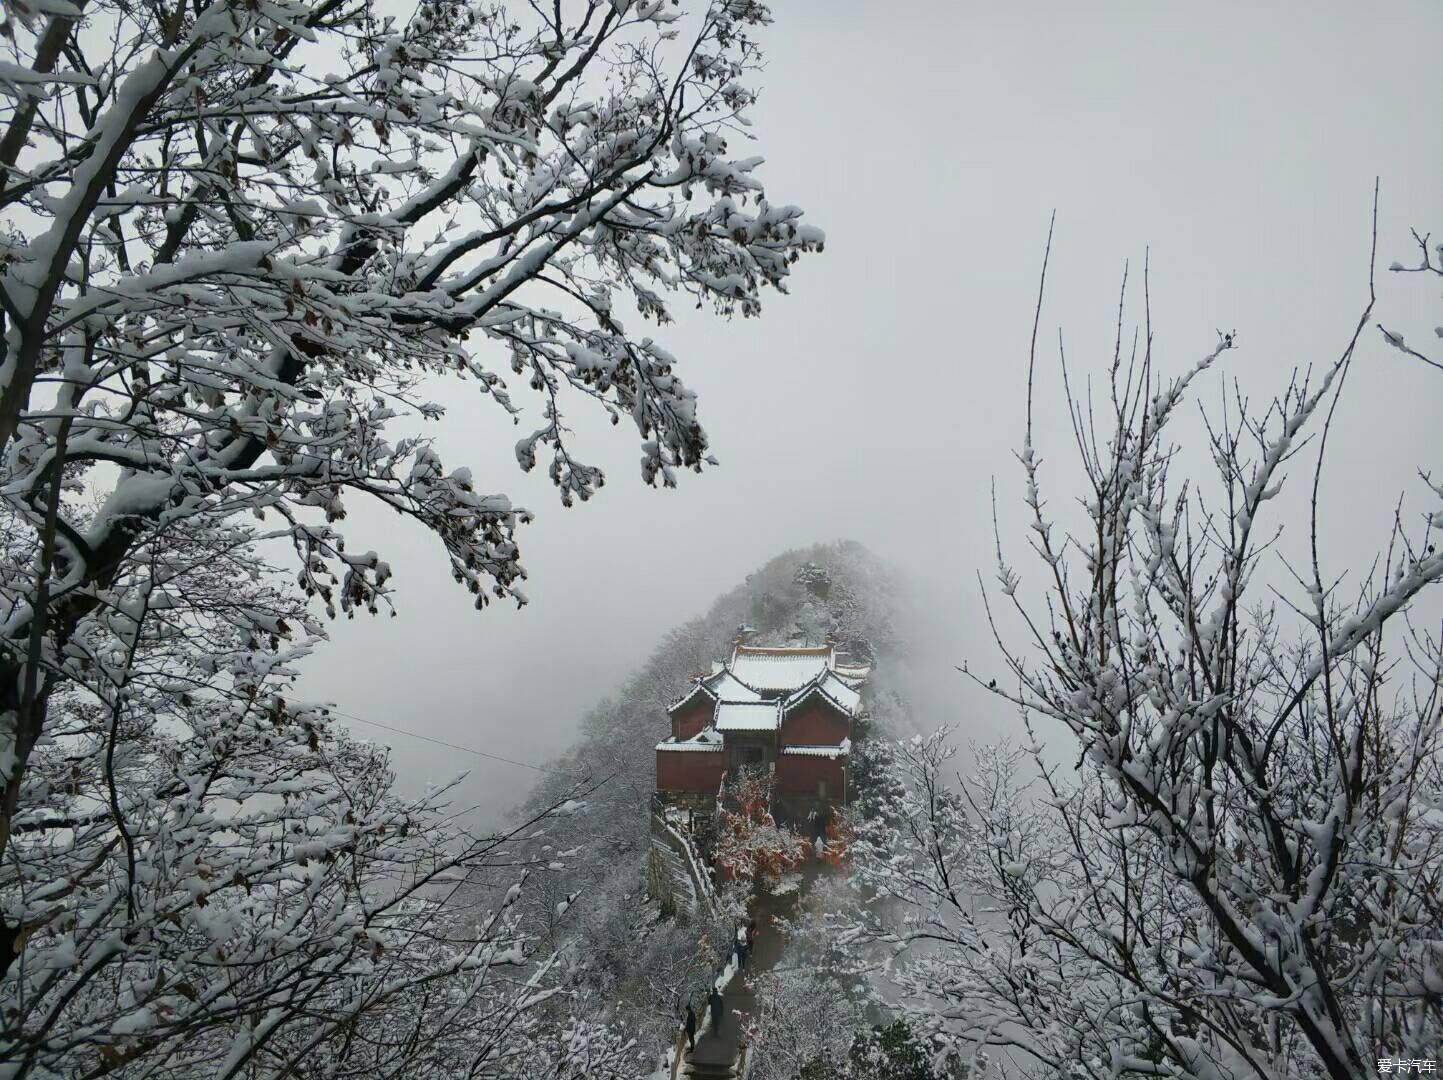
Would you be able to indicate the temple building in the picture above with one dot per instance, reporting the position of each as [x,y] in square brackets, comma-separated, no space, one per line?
[789,710]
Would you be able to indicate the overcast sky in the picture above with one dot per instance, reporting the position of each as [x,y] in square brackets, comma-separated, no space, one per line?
[1238,141]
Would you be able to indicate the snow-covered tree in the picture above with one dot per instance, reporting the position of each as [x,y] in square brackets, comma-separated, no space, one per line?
[240,236]
[802,1017]
[1244,877]
[206,878]
[631,966]
[1430,264]
[240,242]
[892,1052]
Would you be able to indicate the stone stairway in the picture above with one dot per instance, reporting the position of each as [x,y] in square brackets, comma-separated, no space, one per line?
[678,881]
[719,1053]
[709,1070]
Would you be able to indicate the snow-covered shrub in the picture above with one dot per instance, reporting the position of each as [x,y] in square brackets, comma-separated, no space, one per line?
[751,848]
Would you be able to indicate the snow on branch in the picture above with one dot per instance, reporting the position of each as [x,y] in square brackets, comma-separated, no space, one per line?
[1241,875]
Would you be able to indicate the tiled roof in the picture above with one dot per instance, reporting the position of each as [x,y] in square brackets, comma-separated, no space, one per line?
[705,740]
[839,751]
[834,689]
[779,668]
[698,687]
[727,687]
[854,675]
[746,689]
[720,685]
[748,715]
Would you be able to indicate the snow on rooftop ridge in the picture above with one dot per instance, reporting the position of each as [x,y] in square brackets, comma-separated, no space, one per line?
[840,691]
[720,685]
[727,687]
[853,674]
[827,649]
[836,690]
[780,667]
[699,686]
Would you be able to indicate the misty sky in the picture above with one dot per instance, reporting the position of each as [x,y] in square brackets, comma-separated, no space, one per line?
[1239,142]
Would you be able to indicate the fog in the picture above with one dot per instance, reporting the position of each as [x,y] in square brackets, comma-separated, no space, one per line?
[1236,145]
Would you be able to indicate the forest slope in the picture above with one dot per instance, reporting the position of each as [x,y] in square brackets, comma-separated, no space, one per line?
[639,966]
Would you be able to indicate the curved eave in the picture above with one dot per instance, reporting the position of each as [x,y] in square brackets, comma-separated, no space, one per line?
[688,748]
[802,696]
[700,687]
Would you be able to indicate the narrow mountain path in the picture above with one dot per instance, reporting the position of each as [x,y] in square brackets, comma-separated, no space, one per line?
[716,1053]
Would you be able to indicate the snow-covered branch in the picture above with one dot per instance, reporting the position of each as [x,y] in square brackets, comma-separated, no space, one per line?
[1242,879]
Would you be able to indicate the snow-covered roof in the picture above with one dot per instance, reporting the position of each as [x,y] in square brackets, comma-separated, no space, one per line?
[748,715]
[720,685]
[834,689]
[745,689]
[698,687]
[842,692]
[768,668]
[854,675]
[727,687]
[839,751]
[706,740]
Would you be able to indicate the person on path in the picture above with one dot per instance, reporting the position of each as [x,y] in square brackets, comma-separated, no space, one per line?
[714,1002]
[690,1025]
[742,944]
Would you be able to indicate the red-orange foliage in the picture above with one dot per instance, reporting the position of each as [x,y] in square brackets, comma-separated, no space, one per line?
[840,835]
[751,846]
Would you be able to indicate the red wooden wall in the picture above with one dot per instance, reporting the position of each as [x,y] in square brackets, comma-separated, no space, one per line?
[697,772]
[798,775]
[815,724]
[692,717]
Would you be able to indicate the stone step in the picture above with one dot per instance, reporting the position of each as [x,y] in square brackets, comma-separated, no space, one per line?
[669,857]
[700,1070]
